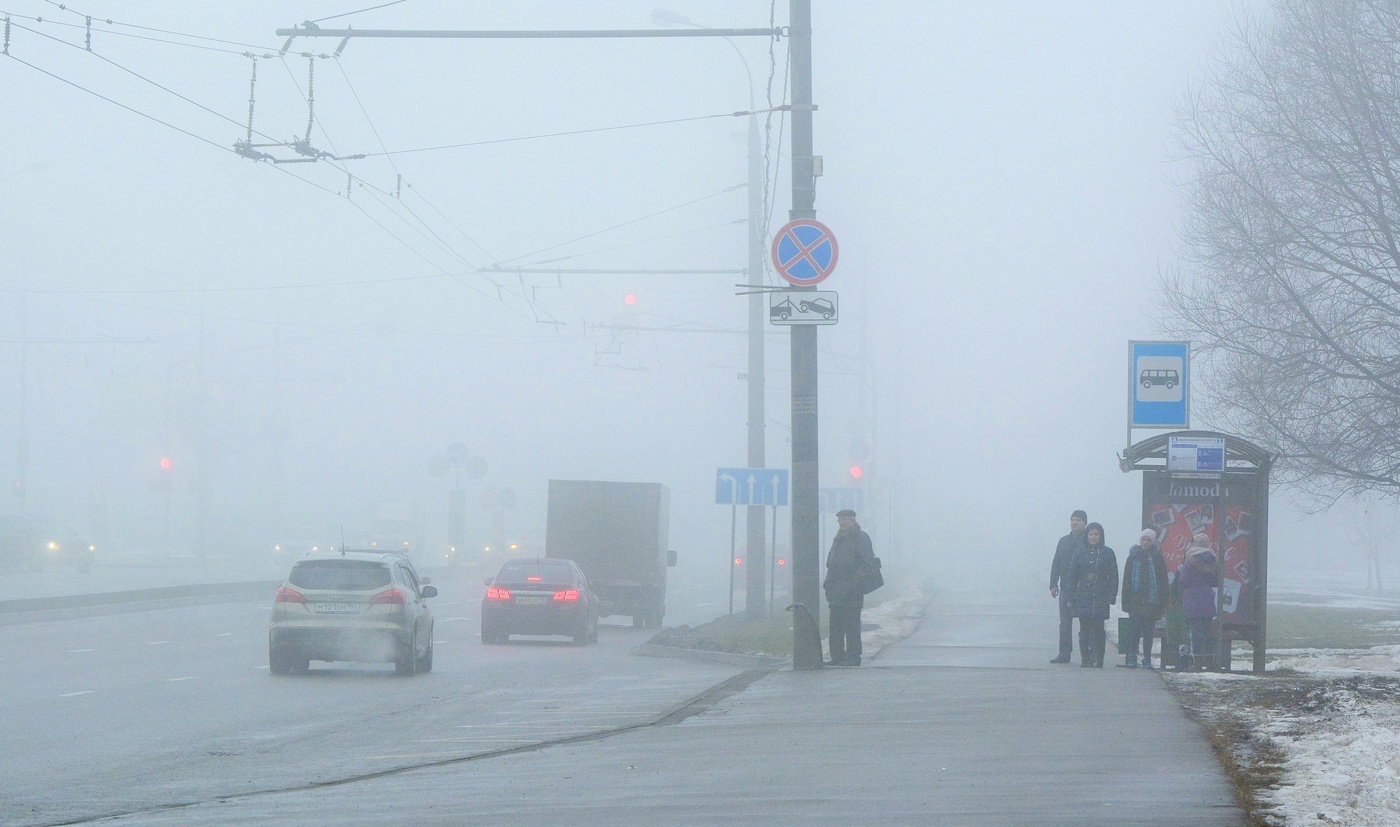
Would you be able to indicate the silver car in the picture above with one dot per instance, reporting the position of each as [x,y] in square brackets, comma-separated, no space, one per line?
[362,606]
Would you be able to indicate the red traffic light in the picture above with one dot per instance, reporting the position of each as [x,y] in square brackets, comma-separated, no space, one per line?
[165,463]
[857,472]
[630,298]
[782,561]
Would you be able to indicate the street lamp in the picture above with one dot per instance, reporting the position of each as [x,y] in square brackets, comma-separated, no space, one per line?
[754,591]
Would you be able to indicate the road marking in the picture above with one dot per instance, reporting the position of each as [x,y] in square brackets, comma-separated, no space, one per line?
[453,619]
[224,634]
[76,651]
[264,666]
[173,680]
[156,642]
[76,694]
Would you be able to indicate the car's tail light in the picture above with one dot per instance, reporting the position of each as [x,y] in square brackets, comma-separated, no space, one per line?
[394,596]
[570,595]
[534,578]
[286,595]
[494,593]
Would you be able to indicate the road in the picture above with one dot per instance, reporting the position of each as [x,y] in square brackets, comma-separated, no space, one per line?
[138,711]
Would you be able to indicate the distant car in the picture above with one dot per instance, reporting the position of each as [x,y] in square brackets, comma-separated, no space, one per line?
[61,546]
[361,606]
[539,596]
[823,307]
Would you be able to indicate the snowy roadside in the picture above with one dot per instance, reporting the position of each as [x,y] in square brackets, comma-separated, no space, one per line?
[1317,740]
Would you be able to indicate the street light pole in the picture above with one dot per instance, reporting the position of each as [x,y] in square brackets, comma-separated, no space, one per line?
[756,576]
[806,551]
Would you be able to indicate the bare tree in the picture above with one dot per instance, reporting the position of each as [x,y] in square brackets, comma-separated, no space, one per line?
[1290,283]
[1374,527]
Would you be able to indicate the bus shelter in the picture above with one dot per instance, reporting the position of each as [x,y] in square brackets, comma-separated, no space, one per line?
[1229,504]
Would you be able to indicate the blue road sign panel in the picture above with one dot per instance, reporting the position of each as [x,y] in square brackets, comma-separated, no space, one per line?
[832,500]
[1160,379]
[751,486]
[805,251]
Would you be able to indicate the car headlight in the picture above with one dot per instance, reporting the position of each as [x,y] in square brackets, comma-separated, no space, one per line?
[53,546]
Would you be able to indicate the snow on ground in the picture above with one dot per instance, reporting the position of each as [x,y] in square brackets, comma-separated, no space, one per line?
[1327,721]
[897,617]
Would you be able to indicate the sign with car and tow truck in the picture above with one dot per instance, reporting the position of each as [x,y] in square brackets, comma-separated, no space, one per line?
[789,307]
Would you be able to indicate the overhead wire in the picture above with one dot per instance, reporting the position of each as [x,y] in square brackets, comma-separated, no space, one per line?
[627,223]
[110,22]
[360,11]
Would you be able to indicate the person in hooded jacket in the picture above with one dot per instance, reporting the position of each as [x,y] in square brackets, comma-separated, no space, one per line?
[850,557]
[1093,582]
[1199,577]
[1144,595]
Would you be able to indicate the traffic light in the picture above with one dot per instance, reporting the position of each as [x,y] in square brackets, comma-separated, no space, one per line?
[630,298]
[166,464]
[857,474]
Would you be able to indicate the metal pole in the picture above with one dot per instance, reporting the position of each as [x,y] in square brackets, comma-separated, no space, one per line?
[733,521]
[22,448]
[757,551]
[806,556]
[773,562]
[313,30]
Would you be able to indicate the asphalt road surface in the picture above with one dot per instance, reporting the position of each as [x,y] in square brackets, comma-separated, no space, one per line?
[137,712]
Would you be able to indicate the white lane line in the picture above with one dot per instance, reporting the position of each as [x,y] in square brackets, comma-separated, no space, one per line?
[173,680]
[224,634]
[76,694]
[76,651]
[264,666]
[156,642]
[453,619]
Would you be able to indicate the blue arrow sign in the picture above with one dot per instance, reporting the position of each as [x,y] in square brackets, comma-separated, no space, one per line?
[831,500]
[751,486]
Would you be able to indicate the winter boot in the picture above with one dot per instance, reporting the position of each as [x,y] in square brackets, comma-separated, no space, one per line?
[1131,662]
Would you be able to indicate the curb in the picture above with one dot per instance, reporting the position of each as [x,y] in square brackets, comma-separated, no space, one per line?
[37,609]
[656,650]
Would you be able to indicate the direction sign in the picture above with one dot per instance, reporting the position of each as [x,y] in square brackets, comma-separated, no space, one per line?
[789,307]
[832,500]
[751,486]
[1161,385]
[805,251]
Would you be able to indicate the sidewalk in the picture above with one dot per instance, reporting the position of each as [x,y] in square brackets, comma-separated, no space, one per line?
[962,723]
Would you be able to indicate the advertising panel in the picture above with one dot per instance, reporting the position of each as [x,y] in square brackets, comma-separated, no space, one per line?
[1222,508]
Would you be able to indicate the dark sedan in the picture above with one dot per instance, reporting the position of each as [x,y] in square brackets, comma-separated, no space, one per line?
[539,596]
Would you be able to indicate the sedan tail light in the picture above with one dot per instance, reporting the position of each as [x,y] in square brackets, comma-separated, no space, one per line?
[495,593]
[393,596]
[570,595]
[286,595]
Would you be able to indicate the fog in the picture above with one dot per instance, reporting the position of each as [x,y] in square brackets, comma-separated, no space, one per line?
[999,177]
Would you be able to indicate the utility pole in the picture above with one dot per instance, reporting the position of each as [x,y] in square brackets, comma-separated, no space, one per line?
[806,551]
[22,448]
[755,588]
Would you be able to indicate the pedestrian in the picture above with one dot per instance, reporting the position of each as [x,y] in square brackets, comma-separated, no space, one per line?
[1093,584]
[851,556]
[1199,578]
[1059,584]
[1144,595]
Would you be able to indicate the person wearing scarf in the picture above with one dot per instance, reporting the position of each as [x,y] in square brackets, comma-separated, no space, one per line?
[1093,578]
[1144,596]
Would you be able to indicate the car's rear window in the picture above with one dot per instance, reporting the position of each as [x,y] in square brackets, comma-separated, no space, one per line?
[547,572]
[339,575]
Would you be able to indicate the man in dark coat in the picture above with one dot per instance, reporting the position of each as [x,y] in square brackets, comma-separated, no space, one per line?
[851,556]
[1064,551]
[1144,595]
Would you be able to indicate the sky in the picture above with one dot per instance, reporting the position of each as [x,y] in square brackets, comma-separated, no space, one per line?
[302,340]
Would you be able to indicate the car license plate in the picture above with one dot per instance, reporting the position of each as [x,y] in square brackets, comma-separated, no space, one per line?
[337,608]
[530,601]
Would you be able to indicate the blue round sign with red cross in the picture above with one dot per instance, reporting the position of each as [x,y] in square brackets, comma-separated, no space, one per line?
[805,251]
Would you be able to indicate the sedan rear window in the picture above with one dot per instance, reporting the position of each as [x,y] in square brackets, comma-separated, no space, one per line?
[339,575]
[546,572]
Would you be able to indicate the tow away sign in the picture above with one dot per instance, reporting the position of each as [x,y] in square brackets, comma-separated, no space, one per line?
[790,307]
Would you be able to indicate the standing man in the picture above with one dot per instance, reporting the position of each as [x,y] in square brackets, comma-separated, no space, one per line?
[850,557]
[1059,570]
